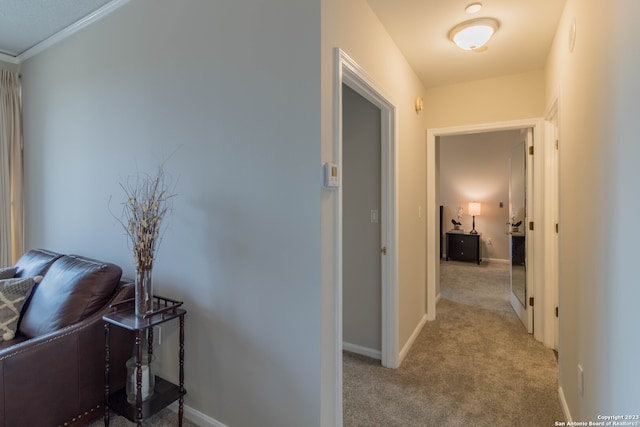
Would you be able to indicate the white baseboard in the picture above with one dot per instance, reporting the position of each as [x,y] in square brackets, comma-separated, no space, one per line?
[412,339]
[565,407]
[496,260]
[197,417]
[358,349]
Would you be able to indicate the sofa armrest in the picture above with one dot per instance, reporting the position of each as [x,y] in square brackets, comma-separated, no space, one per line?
[50,379]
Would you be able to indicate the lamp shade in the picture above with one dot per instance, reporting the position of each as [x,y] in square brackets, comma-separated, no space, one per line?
[474,208]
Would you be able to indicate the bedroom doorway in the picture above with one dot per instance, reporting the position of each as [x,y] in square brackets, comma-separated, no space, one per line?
[490,169]
[535,257]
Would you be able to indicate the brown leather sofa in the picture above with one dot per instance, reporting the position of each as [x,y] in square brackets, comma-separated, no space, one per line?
[52,372]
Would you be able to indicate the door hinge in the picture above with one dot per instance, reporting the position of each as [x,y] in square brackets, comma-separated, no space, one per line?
[556,228]
[557,144]
[531,301]
[556,311]
[531,150]
[383,250]
[531,225]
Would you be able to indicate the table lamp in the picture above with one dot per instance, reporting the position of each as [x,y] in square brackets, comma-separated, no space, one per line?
[474,209]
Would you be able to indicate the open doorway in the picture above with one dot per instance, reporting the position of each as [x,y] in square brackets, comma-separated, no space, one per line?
[361,230]
[483,191]
[350,74]
[535,222]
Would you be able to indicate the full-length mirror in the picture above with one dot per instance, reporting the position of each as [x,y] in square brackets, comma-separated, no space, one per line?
[517,220]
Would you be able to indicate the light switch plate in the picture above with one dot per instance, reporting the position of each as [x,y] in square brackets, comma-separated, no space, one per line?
[374,216]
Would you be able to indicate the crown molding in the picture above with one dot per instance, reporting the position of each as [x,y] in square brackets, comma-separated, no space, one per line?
[9,58]
[70,30]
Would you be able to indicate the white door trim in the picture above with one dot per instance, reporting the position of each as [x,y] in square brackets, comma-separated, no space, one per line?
[535,258]
[551,213]
[525,312]
[347,71]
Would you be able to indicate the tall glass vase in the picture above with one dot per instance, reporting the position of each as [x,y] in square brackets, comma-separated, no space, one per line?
[144,292]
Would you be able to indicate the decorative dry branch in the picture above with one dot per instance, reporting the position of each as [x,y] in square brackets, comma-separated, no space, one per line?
[149,198]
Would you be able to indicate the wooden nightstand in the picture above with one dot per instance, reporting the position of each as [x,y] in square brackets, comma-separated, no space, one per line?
[463,246]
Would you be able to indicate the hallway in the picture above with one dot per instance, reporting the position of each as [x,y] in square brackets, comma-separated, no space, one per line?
[474,365]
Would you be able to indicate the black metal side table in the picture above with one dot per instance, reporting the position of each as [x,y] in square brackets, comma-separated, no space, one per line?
[165,393]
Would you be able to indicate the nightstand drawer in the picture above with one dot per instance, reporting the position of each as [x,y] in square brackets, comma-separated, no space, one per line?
[463,247]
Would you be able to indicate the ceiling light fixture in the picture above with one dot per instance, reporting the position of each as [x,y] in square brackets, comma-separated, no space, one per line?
[473,34]
[473,8]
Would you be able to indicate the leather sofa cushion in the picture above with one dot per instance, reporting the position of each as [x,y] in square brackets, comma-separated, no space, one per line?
[11,343]
[73,289]
[35,262]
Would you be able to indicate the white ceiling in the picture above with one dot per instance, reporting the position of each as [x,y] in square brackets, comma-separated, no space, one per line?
[419,27]
[26,23]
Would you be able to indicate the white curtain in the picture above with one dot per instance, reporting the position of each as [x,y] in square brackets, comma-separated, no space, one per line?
[11,226]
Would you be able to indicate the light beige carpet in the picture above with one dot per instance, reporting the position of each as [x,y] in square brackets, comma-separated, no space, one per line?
[475,365]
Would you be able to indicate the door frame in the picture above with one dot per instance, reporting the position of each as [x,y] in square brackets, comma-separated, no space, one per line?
[535,257]
[552,209]
[347,71]
[526,312]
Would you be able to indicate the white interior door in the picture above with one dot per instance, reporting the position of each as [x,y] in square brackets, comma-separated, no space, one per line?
[520,206]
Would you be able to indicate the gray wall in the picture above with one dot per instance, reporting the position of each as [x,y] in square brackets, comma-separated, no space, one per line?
[361,157]
[476,168]
[228,93]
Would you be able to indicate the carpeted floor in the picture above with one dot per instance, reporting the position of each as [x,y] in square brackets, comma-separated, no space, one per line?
[475,365]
